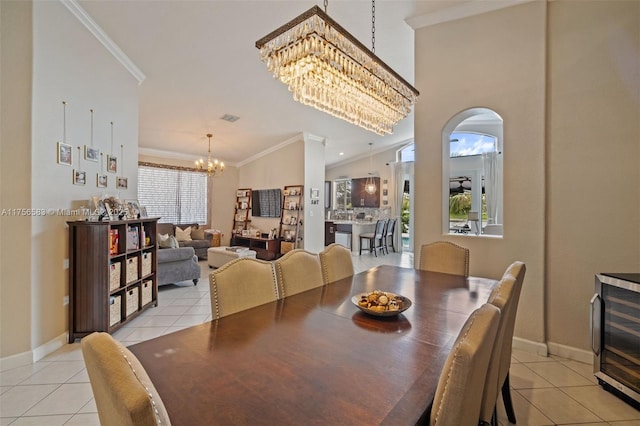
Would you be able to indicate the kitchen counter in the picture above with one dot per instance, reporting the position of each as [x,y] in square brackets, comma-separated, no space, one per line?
[355,227]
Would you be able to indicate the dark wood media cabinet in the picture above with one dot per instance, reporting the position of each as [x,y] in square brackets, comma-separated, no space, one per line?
[266,249]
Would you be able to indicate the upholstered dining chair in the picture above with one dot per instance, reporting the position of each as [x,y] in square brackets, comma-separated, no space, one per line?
[375,238]
[444,257]
[297,271]
[241,284]
[123,391]
[336,263]
[389,235]
[505,296]
[459,392]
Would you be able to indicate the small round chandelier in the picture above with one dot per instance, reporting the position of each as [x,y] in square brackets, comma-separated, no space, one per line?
[212,168]
[370,185]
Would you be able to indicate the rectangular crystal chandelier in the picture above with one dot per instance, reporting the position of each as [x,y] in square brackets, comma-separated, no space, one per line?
[327,68]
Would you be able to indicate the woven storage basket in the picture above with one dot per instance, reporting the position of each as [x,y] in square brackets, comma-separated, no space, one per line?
[114,310]
[147,292]
[147,258]
[132,269]
[133,295]
[114,275]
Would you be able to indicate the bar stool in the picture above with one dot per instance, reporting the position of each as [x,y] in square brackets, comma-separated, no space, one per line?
[374,238]
[390,231]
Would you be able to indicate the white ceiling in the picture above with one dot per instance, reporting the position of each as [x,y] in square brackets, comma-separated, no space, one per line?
[200,63]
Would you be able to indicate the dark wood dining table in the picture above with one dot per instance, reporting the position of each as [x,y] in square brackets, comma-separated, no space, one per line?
[315,358]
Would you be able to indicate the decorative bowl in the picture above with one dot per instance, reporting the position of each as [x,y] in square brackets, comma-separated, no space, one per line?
[406,304]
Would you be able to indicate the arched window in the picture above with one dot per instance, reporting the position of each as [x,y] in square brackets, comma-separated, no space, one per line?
[472,173]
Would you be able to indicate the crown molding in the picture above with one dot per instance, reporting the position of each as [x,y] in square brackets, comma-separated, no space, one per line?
[103,38]
[395,146]
[174,155]
[297,138]
[475,7]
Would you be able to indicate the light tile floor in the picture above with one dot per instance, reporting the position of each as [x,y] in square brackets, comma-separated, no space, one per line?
[56,390]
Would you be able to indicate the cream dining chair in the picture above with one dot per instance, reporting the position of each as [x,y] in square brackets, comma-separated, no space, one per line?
[336,263]
[459,392]
[241,284]
[444,257]
[505,296]
[124,393]
[297,271]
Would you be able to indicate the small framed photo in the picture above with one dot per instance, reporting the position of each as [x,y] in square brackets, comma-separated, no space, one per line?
[91,154]
[64,154]
[98,206]
[121,183]
[112,206]
[315,193]
[133,209]
[79,177]
[143,212]
[112,164]
[101,181]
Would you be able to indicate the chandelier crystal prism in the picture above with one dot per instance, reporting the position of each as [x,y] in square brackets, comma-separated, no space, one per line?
[214,167]
[327,68]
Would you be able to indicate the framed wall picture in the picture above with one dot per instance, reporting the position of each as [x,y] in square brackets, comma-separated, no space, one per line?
[121,183]
[64,154]
[315,193]
[91,154]
[133,209]
[112,164]
[101,180]
[79,177]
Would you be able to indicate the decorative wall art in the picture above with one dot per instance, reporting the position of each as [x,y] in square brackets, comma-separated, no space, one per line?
[112,162]
[101,178]
[101,181]
[122,183]
[79,176]
[91,153]
[65,153]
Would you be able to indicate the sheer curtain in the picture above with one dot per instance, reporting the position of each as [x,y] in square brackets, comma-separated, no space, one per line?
[490,160]
[400,173]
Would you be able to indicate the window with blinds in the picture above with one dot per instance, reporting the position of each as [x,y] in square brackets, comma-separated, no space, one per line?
[176,196]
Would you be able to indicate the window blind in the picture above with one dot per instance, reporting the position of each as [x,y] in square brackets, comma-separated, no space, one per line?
[176,196]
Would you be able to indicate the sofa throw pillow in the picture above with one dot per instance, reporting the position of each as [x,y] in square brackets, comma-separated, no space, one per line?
[163,241]
[183,234]
[197,233]
[173,242]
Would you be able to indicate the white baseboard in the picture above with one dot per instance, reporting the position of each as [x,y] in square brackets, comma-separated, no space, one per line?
[31,357]
[550,348]
[49,347]
[538,348]
[571,353]
[18,360]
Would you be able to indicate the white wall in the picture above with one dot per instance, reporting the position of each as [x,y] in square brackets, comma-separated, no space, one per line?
[495,60]
[565,78]
[313,178]
[16,43]
[593,147]
[277,169]
[70,65]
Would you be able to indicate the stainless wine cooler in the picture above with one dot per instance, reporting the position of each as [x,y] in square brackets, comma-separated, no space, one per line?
[615,334]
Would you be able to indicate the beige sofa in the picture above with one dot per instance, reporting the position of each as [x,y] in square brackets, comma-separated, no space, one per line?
[200,240]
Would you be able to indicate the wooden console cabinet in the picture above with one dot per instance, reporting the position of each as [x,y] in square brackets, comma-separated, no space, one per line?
[112,273]
[266,249]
